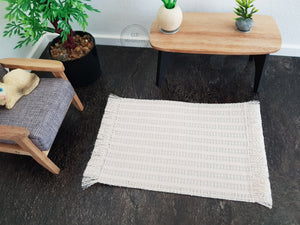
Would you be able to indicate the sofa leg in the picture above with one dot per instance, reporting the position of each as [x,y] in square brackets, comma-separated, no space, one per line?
[26,144]
[76,101]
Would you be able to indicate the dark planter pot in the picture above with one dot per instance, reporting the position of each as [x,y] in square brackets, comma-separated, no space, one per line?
[85,70]
[244,25]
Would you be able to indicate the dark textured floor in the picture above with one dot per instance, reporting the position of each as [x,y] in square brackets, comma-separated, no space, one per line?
[31,195]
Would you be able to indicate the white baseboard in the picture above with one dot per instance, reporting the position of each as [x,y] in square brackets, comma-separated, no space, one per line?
[115,40]
[289,50]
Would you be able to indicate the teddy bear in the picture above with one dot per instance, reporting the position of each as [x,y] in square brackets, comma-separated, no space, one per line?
[16,84]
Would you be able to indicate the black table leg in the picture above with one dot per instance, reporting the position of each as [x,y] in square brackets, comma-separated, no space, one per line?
[162,64]
[260,61]
[251,58]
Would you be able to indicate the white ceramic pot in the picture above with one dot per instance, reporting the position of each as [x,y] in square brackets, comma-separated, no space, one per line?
[169,20]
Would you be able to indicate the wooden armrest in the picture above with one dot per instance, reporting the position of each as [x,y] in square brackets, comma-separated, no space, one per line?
[33,64]
[56,67]
[12,132]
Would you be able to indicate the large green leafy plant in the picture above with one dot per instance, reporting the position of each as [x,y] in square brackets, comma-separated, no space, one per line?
[169,4]
[31,19]
[243,7]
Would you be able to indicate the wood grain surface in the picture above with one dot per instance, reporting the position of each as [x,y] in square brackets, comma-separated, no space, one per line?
[215,33]
[33,64]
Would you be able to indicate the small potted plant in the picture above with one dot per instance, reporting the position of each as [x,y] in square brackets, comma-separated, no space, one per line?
[245,10]
[31,19]
[169,17]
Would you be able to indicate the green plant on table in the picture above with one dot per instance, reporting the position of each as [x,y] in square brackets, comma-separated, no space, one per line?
[243,7]
[169,4]
[29,19]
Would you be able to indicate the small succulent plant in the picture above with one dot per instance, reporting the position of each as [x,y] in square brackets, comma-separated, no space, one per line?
[169,4]
[245,9]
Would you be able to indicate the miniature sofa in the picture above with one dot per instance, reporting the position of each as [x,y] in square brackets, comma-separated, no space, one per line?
[30,127]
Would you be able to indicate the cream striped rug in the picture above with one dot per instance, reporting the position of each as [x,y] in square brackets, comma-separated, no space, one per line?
[207,150]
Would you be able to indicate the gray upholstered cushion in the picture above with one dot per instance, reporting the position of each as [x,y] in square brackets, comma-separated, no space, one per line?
[42,111]
[2,72]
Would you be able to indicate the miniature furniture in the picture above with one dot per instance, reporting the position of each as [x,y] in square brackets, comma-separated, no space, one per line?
[30,127]
[215,33]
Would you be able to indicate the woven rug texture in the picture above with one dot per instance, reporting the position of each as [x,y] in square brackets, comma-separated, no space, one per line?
[206,150]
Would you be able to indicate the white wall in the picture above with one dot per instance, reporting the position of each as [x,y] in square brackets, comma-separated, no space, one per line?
[128,22]
[7,44]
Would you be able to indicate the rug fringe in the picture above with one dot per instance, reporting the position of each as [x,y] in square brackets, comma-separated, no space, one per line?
[261,190]
[93,169]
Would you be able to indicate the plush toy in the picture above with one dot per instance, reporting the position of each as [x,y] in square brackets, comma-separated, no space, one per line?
[16,84]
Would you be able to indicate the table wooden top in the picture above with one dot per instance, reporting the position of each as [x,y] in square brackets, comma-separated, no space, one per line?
[215,33]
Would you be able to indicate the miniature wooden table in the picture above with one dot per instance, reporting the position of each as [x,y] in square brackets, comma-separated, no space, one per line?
[215,33]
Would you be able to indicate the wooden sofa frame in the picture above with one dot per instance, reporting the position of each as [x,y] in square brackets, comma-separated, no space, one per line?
[19,135]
